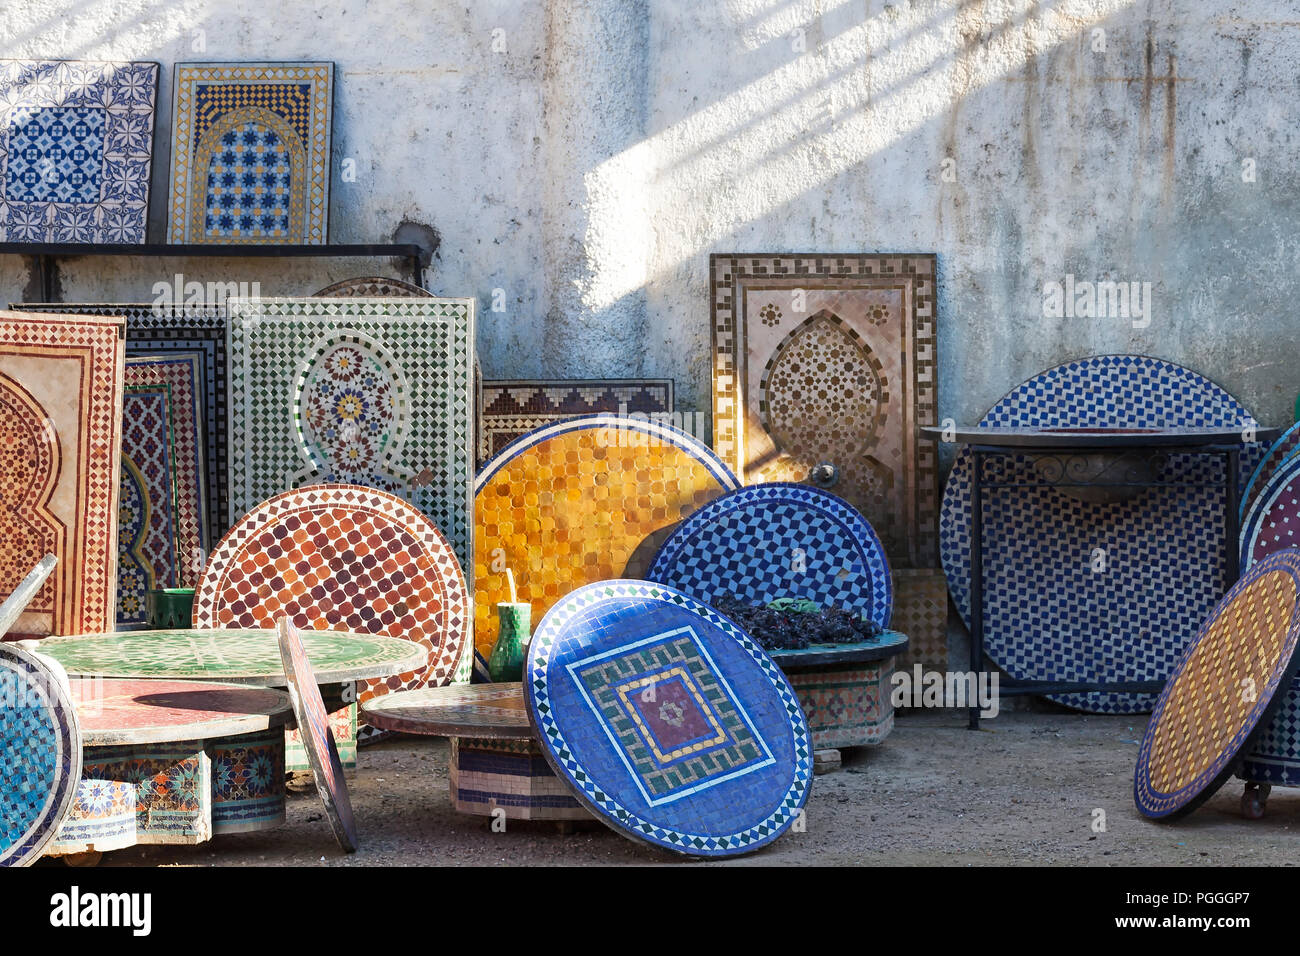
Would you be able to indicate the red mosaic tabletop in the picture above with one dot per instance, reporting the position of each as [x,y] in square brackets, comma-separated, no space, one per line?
[114,711]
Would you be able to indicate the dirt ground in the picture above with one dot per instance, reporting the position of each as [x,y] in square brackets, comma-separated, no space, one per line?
[1023,791]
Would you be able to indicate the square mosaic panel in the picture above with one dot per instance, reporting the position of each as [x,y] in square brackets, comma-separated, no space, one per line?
[146,555]
[160,331]
[76,150]
[921,612]
[512,408]
[831,359]
[251,152]
[60,448]
[375,392]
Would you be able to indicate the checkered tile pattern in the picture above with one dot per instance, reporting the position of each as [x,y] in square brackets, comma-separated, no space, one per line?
[779,540]
[40,756]
[615,617]
[1221,689]
[1048,615]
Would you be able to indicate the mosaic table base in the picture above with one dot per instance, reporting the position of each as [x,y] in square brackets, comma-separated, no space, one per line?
[825,359]
[317,737]
[496,766]
[1049,614]
[1273,521]
[60,442]
[374,392]
[666,720]
[223,772]
[1278,453]
[584,500]
[174,329]
[512,409]
[921,612]
[76,149]
[40,755]
[1223,692]
[846,704]
[251,152]
[346,557]
[779,540]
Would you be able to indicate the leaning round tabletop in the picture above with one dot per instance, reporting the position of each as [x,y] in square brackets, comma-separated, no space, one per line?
[229,656]
[493,711]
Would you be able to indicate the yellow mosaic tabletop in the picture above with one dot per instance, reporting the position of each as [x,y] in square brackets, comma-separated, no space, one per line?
[1223,690]
[576,502]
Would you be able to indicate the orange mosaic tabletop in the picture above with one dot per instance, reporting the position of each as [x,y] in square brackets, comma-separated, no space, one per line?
[583,500]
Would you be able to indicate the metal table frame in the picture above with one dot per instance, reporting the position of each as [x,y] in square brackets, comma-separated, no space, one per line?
[1140,450]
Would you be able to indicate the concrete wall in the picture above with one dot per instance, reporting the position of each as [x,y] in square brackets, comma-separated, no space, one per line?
[585,156]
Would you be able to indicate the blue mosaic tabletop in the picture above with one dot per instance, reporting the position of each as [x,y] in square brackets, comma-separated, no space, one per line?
[40,755]
[779,540]
[1096,590]
[1223,691]
[666,720]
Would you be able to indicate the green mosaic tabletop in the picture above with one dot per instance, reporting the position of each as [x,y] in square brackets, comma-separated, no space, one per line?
[234,657]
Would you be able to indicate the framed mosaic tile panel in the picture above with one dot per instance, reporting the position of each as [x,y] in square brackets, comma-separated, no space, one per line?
[147,552]
[375,392]
[76,150]
[822,359]
[160,331]
[180,375]
[60,448]
[251,152]
[515,407]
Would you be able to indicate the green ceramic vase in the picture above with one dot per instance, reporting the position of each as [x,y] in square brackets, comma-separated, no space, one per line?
[169,609]
[507,660]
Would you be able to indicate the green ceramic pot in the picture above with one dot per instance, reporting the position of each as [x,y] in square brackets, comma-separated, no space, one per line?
[170,608]
[507,660]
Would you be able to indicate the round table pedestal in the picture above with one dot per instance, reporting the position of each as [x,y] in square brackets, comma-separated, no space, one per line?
[510,776]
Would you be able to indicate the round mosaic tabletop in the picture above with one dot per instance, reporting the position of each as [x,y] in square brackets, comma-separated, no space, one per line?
[581,501]
[491,711]
[129,711]
[228,656]
[371,287]
[1278,452]
[40,755]
[779,540]
[349,558]
[1096,590]
[666,720]
[884,646]
[317,738]
[1222,691]
[1273,521]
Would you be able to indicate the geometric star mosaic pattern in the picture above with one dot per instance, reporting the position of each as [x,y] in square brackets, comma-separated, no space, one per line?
[1223,691]
[666,720]
[76,146]
[251,152]
[579,501]
[1052,610]
[377,392]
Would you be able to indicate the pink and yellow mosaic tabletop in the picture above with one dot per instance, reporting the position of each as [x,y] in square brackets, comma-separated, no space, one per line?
[458,710]
[132,711]
[229,656]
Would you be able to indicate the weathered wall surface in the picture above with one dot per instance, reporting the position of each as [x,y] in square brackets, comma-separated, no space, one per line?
[585,156]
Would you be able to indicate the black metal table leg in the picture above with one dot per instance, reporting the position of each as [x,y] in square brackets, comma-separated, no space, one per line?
[1232,521]
[976,580]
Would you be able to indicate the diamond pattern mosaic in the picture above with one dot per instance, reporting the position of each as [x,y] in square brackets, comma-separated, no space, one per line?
[147,553]
[1273,521]
[159,332]
[1277,455]
[76,149]
[343,557]
[1222,690]
[40,755]
[779,540]
[60,447]
[251,153]
[317,738]
[371,287]
[368,391]
[666,720]
[581,501]
[846,706]
[921,612]
[1047,614]
[831,359]
[513,408]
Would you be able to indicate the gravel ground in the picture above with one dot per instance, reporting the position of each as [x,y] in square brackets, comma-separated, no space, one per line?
[1022,791]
